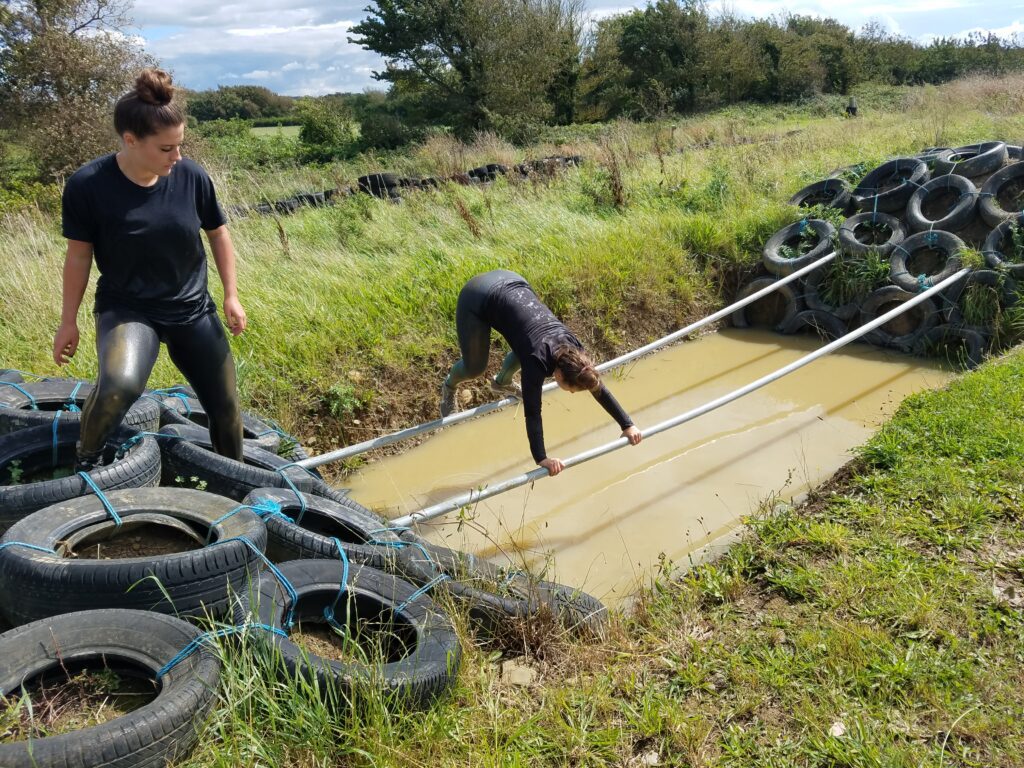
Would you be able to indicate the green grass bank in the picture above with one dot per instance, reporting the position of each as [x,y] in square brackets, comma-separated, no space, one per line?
[351,307]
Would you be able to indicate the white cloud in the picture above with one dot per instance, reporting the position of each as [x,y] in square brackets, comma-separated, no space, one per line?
[302,48]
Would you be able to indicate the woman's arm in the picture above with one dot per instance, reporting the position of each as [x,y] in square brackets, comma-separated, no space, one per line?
[224,258]
[612,407]
[77,263]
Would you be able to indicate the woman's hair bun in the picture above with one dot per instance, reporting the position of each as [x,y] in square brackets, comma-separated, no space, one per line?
[154,86]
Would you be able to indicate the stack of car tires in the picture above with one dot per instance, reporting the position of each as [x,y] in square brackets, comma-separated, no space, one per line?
[898,229]
[121,569]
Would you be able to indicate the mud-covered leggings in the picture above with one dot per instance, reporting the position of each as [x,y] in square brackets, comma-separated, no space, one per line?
[127,344]
[475,332]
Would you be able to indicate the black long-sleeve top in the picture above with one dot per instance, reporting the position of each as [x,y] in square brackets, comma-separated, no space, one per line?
[534,333]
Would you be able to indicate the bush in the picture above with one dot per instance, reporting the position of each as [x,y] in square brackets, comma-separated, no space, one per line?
[327,131]
[17,195]
[221,128]
[380,130]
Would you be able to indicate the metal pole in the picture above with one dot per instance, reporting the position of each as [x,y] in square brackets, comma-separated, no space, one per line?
[471,497]
[455,418]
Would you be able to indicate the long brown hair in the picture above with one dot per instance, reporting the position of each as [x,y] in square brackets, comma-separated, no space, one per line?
[578,370]
[150,107]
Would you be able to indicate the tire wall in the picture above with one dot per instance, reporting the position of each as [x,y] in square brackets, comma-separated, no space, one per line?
[899,229]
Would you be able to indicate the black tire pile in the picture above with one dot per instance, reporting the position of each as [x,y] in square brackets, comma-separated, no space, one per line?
[917,214]
[178,558]
[392,186]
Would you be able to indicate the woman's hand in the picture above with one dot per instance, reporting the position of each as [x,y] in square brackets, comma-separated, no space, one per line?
[553,466]
[65,343]
[234,315]
[633,434]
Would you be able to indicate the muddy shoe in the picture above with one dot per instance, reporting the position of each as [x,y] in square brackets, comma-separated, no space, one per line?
[447,399]
[88,463]
[512,389]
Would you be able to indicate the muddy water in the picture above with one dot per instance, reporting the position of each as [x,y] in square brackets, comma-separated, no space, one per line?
[602,525]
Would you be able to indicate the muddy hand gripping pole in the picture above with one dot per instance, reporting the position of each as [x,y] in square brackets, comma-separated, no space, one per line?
[471,497]
[455,418]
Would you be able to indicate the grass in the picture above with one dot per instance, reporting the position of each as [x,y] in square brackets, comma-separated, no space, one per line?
[659,225]
[879,624]
[292,131]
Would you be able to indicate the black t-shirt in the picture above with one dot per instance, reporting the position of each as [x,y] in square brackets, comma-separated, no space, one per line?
[535,334]
[146,240]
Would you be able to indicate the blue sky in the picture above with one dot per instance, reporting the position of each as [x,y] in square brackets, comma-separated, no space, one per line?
[300,47]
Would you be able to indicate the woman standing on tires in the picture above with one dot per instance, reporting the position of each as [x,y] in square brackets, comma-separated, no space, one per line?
[541,345]
[138,212]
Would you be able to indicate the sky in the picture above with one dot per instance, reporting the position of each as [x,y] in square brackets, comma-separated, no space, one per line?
[300,48]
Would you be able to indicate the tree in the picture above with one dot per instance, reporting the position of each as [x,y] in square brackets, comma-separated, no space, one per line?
[242,101]
[480,62]
[63,64]
[663,46]
[327,128]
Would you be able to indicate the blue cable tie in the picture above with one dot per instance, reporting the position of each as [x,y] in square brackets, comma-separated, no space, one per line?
[329,609]
[31,400]
[56,421]
[282,579]
[205,637]
[106,502]
[7,544]
[421,592]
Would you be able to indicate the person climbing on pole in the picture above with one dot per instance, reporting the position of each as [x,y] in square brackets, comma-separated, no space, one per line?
[541,345]
[139,212]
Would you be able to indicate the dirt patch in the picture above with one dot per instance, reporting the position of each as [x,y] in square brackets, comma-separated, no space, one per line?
[844,479]
[150,540]
[64,703]
[317,638]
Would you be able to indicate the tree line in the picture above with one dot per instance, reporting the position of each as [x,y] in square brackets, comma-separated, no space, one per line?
[510,66]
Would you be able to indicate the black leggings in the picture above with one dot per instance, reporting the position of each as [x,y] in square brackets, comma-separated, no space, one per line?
[127,345]
[475,332]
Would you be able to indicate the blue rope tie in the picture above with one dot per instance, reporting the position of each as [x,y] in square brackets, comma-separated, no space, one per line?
[196,642]
[136,439]
[402,545]
[298,494]
[27,546]
[106,502]
[166,394]
[282,579]
[259,509]
[923,284]
[56,421]
[421,592]
[71,405]
[329,609]
[31,400]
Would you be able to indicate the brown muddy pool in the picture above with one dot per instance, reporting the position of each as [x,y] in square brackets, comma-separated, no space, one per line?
[602,526]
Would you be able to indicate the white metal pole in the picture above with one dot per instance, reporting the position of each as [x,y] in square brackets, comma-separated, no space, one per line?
[471,497]
[455,418]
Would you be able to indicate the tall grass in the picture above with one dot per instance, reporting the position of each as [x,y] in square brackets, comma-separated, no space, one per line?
[650,231]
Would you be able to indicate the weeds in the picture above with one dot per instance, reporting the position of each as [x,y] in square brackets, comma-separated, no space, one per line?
[850,279]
